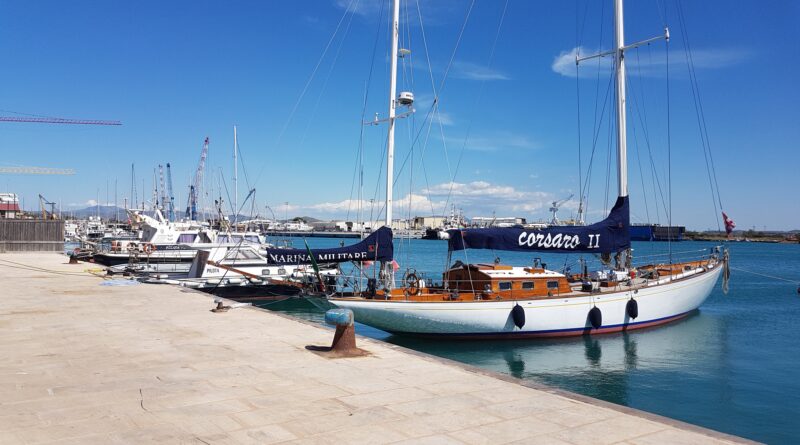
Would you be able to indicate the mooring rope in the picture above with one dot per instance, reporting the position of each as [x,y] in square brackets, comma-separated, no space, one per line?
[765,275]
[39,269]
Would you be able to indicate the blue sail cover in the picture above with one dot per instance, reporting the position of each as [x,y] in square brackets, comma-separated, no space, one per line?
[376,247]
[607,236]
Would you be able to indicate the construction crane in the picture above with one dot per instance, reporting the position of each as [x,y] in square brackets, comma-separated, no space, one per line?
[163,201]
[554,209]
[154,202]
[134,195]
[36,171]
[47,120]
[171,202]
[194,188]
[43,203]
[56,120]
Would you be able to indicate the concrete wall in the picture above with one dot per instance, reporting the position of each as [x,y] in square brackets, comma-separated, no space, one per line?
[31,235]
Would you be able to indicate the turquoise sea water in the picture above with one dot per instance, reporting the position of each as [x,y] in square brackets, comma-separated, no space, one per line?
[734,366]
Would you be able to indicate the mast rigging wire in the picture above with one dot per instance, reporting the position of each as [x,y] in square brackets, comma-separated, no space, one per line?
[478,98]
[434,106]
[360,153]
[350,7]
[701,120]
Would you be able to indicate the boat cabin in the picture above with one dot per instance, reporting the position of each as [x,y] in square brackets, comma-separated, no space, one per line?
[508,282]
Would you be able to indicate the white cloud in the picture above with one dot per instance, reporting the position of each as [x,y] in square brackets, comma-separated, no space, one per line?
[492,142]
[714,58]
[434,12]
[91,202]
[475,188]
[360,7]
[564,63]
[653,64]
[476,198]
[419,203]
[485,197]
[473,71]
[422,105]
[444,118]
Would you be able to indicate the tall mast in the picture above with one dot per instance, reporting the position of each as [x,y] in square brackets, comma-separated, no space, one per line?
[235,177]
[619,56]
[387,268]
[134,196]
[392,108]
[622,149]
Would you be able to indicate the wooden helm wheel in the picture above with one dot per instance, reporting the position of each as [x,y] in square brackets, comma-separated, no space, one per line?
[411,283]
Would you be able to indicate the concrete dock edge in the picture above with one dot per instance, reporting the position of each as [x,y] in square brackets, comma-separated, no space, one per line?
[92,360]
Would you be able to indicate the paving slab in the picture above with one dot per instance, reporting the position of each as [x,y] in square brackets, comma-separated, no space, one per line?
[85,363]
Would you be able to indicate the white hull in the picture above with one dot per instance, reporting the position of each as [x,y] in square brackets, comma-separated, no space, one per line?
[554,317]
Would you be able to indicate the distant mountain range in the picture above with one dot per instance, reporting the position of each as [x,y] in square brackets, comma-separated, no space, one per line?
[105,212]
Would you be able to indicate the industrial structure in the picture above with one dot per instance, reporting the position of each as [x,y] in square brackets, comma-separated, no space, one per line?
[9,205]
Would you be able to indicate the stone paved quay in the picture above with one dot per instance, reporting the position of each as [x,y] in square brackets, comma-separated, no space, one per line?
[84,363]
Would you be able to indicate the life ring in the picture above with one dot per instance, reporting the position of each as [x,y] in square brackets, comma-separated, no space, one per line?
[148,248]
[411,283]
[131,247]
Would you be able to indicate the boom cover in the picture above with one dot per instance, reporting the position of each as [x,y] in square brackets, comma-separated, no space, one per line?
[607,236]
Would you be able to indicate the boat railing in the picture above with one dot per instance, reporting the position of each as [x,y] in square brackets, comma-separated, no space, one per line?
[357,280]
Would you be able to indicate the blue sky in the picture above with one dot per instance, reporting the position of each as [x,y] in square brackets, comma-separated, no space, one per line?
[505,138]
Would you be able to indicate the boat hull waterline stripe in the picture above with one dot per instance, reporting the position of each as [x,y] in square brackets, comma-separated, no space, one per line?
[570,332]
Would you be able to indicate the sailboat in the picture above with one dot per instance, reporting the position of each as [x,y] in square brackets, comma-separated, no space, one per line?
[504,301]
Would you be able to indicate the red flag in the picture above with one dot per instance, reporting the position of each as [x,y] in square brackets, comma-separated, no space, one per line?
[729,224]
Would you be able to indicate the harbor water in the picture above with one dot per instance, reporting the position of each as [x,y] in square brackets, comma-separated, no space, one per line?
[733,366]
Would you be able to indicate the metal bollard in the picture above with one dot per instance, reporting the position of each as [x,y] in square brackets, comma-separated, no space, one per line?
[344,340]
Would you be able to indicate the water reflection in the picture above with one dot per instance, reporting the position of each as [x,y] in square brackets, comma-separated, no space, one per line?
[731,367]
[515,362]
[598,366]
[593,350]
[630,351]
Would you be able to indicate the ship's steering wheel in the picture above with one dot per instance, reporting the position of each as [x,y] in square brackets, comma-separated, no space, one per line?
[411,283]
